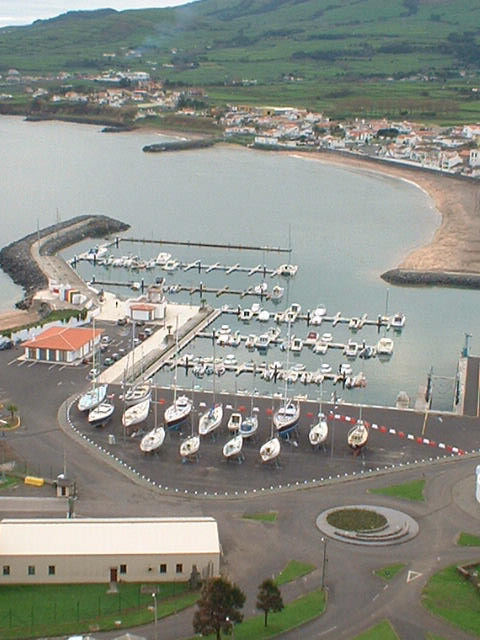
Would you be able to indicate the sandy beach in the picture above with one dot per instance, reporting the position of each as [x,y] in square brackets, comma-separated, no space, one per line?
[455,246]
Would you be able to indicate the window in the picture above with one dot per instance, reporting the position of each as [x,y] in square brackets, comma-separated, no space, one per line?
[6,569]
[163,568]
[51,569]
[31,570]
[179,568]
[123,568]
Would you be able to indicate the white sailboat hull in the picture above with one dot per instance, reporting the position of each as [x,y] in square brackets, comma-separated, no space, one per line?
[92,398]
[136,414]
[177,412]
[153,440]
[138,393]
[248,427]
[233,447]
[270,450]
[286,417]
[100,414]
[357,436]
[210,420]
[318,433]
[190,446]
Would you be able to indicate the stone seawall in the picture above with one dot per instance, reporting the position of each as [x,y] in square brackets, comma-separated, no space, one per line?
[432,279]
[17,261]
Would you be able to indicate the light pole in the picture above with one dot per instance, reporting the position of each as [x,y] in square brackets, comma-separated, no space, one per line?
[232,626]
[324,564]
[154,596]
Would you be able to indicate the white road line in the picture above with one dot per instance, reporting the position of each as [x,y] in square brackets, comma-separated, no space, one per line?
[375,597]
[326,631]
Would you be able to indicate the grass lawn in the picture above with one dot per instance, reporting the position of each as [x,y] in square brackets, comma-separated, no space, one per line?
[468,540]
[292,571]
[8,482]
[448,595]
[293,615]
[271,516]
[409,490]
[389,572]
[433,636]
[356,519]
[37,610]
[381,631]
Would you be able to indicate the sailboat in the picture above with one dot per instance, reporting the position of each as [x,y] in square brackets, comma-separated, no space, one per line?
[141,390]
[286,417]
[319,430]
[212,418]
[249,425]
[97,394]
[100,414]
[234,422]
[190,446]
[136,414]
[270,450]
[233,447]
[181,408]
[154,439]
[357,436]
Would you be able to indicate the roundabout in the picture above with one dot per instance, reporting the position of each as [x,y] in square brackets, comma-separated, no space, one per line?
[367,525]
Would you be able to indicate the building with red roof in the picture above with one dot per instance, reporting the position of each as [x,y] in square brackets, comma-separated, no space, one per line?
[62,344]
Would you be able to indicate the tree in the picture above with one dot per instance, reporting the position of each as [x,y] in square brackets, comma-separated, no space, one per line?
[218,607]
[13,410]
[269,598]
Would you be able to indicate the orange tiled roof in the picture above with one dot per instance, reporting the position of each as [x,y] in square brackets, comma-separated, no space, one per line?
[63,338]
[142,307]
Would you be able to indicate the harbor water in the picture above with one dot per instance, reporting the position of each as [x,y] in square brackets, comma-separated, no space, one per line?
[345,227]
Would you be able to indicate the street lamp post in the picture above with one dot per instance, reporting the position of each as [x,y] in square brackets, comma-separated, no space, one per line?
[154,596]
[232,626]
[324,564]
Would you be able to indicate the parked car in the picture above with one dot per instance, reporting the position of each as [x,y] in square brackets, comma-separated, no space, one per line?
[122,322]
[93,373]
[5,343]
[105,339]
[108,362]
[115,356]
[148,331]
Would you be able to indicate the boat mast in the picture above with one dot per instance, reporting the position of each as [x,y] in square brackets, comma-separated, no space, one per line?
[176,365]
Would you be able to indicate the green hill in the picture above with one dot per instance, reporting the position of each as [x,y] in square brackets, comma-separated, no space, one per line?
[350,55]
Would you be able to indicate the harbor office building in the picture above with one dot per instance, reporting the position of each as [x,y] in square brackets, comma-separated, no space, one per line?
[62,344]
[94,550]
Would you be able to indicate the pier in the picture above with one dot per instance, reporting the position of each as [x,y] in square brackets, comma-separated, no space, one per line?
[209,245]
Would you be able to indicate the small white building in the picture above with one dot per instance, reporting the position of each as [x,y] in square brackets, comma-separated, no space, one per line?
[103,550]
[62,344]
[142,311]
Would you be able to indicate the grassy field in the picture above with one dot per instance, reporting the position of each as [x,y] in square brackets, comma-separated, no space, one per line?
[381,631]
[270,516]
[293,615]
[356,519]
[38,610]
[389,572]
[409,59]
[292,571]
[448,595]
[468,540]
[408,490]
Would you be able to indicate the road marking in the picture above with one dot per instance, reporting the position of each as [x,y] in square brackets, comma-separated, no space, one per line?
[375,597]
[12,361]
[413,575]
[326,631]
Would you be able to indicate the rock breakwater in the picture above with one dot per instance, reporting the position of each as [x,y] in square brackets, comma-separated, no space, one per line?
[17,261]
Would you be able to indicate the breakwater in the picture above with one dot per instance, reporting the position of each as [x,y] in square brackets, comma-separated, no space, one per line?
[17,261]
[410,278]
[179,145]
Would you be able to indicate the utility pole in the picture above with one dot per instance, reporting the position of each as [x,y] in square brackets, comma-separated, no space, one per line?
[324,563]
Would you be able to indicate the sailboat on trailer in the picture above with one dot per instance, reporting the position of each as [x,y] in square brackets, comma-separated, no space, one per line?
[154,439]
[319,430]
[190,446]
[181,408]
[97,394]
[287,415]
[357,436]
[270,450]
[212,418]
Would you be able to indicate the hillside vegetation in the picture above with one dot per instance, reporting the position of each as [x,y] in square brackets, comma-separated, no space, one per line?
[355,55]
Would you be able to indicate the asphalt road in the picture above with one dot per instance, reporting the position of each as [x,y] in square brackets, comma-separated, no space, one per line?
[255,550]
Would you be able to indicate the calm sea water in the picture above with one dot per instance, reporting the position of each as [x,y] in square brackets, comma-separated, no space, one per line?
[345,227]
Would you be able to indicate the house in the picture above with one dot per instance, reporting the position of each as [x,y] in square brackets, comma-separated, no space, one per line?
[68,345]
[105,550]
[142,311]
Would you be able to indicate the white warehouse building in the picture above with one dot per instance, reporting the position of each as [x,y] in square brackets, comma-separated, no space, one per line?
[103,550]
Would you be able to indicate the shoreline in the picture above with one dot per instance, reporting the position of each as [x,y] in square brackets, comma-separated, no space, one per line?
[454,250]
